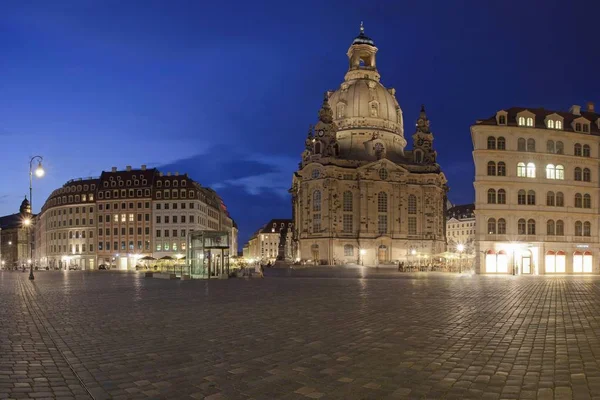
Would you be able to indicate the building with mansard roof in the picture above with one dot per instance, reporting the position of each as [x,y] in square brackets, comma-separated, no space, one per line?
[536,189]
[359,196]
[460,228]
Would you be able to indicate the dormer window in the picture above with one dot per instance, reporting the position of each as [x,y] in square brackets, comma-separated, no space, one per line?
[558,124]
[502,120]
[529,121]
[521,121]
[586,128]
[578,127]
[550,124]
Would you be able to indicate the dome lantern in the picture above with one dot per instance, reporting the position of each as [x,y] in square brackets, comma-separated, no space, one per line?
[361,57]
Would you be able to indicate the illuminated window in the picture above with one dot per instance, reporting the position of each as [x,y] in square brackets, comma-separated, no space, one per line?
[131,217]
[521,121]
[560,172]
[550,124]
[530,170]
[558,125]
[529,121]
[521,170]
[550,172]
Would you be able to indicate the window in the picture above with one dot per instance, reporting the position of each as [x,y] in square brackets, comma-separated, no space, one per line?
[491,168]
[560,228]
[383,174]
[560,199]
[521,197]
[550,124]
[316,223]
[587,229]
[587,175]
[501,169]
[412,225]
[317,200]
[521,170]
[491,196]
[379,149]
[347,222]
[412,204]
[491,143]
[586,128]
[550,145]
[560,148]
[315,173]
[578,174]
[558,125]
[587,201]
[521,121]
[501,143]
[521,144]
[531,198]
[531,145]
[502,120]
[347,201]
[578,200]
[550,199]
[530,170]
[560,172]
[521,227]
[382,224]
[501,226]
[348,250]
[501,196]
[529,121]
[531,227]
[577,149]
[586,150]
[382,207]
[550,172]
[550,227]
[578,228]
[491,226]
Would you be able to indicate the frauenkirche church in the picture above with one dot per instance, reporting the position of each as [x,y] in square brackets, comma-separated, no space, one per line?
[359,196]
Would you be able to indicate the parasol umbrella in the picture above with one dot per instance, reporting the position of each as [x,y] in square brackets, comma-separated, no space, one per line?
[147,258]
[166,258]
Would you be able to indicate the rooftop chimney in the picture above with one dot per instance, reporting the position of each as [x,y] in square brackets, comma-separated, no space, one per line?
[176,173]
[168,174]
[160,174]
[575,110]
[143,167]
[114,169]
[128,168]
[590,106]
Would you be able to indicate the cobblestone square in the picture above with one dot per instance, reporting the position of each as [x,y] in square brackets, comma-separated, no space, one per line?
[111,335]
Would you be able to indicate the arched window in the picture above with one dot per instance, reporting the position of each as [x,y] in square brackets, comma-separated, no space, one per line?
[502,120]
[491,196]
[560,172]
[317,149]
[340,110]
[578,174]
[348,250]
[550,172]
[412,204]
[347,201]
[521,227]
[550,124]
[560,199]
[578,228]
[550,199]
[560,148]
[382,202]
[492,226]
[521,197]
[530,170]
[550,227]
[501,196]
[501,143]
[587,229]
[501,169]
[560,228]
[531,227]
[587,175]
[558,125]
[521,144]
[521,170]
[491,168]
[586,150]
[531,145]
[577,149]
[578,200]
[418,156]
[587,201]
[550,146]
[521,121]
[529,121]
[531,198]
[491,143]
[502,226]
[317,200]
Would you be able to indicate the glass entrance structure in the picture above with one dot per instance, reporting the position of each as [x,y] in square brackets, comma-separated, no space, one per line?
[208,254]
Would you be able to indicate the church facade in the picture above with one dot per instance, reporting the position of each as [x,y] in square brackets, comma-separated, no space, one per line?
[359,196]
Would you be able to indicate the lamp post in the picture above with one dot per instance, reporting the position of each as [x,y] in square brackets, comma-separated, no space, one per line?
[39,172]
[362,253]
[460,248]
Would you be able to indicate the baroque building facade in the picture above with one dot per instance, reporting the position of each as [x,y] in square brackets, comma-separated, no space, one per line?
[359,196]
[122,216]
[536,188]
[15,234]
[272,242]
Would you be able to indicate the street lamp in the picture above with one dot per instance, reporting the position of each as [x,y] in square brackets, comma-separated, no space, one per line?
[362,252]
[39,172]
[460,247]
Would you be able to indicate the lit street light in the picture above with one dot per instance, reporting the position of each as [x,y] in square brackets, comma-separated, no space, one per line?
[39,172]
[460,247]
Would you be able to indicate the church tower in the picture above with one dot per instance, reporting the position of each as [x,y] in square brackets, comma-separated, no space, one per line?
[423,152]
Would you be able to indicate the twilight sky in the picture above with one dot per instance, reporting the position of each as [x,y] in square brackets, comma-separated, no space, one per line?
[226,90]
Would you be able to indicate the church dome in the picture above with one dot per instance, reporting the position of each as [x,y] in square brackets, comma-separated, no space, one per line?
[25,207]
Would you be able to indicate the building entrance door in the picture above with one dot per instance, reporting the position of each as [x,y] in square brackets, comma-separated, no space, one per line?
[526,263]
[382,254]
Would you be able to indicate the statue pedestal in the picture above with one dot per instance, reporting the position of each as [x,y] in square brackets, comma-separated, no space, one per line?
[282,264]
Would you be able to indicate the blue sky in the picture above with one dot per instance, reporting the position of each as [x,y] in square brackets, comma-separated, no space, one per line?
[226,90]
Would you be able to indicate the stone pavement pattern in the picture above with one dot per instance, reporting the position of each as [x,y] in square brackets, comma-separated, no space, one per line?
[109,335]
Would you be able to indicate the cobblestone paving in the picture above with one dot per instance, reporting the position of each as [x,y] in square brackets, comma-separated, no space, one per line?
[110,335]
